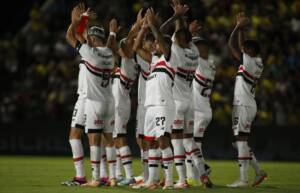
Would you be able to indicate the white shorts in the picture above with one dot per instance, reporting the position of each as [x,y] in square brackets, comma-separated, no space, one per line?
[202,120]
[242,117]
[78,118]
[158,121]
[122,115]
[184,117]
[99,116]
[140,120]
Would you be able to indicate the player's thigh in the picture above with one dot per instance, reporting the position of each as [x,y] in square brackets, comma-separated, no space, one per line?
[94,112]
[163,119]
[149,126]
[180,110]
[109,118]
[122,115]
[78,117]
[189,120]
[140,120]
[242,118]
[201,122]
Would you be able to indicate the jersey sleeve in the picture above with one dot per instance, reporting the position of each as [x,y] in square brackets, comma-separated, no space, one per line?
[175,49]
[84,50]
[247,60]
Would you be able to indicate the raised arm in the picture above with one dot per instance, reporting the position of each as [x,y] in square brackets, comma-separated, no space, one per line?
[179,11]
[138,44]
[194,28]
[152,22]
[233,42]
[113,30]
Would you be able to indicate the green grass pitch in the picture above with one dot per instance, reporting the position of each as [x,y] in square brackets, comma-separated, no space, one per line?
[19,174]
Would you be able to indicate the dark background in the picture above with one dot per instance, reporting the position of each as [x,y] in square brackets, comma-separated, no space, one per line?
[38,73]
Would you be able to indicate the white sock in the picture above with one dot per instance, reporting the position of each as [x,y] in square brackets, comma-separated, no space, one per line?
[179,158]
[103,171]
[254,162]
[77,151]
[111,159]
[153,161]
[167,158]
[126,158]
[243,159]
[190,170]
[118,165]
[95,153]
[144,156]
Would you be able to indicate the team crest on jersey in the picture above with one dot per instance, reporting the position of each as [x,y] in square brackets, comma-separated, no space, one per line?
[98,122]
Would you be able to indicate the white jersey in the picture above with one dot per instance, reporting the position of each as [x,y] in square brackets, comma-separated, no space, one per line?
[186,61]
[99,65]
[124,78]
[159,83]
[81,80]
[145,71]
[202,84]
[245,83]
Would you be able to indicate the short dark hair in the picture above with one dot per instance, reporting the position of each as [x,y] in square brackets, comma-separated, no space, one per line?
[253,46]
[185,33]
[167,39]
[150,37]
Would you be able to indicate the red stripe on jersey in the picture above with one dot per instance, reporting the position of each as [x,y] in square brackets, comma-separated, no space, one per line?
[199,76]
[164,64]
[185,71]
[145,73]
[94,68]
[126,79]
[242,69]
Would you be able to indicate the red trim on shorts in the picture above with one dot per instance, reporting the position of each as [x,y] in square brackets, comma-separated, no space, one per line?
[126,156]
[154,158]
[179,157]
[149,138]
[168,159]
[193,151]
[76,159]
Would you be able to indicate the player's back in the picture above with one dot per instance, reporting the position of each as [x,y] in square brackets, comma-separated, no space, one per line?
[186,61]
[203,81]
[247,77]
[99,65]
[159,83]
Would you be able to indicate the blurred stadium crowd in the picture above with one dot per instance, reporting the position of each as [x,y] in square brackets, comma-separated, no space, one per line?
[39,70]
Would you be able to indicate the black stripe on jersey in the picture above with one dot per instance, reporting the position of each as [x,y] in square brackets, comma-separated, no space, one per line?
[245,78]
[144,77]
[125,84]
[200,82]
[94,73]
[78,46]
[184,76]
[165,71]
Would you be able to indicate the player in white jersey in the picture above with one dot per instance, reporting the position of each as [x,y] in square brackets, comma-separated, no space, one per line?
[244,104]
[159,102]
[78,120]
[99,106]
[148,44]
[123,80]
[186,59]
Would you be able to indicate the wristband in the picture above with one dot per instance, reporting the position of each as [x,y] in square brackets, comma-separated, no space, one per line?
[82,25]
[112,34]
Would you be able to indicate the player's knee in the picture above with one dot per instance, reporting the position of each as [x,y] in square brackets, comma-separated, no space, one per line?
[94,139]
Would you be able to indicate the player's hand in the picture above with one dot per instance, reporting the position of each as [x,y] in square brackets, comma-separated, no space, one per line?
[113,26]
[77,11]
[91,14]
[139,17]
[145,25]
[179,9]
[241,20]
[194,27]
[151,17]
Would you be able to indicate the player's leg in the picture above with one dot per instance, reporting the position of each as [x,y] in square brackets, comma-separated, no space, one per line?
[110,146]
[94,129]
[241,129]
[75,135]
[154,155]
[177,141]
[103,170]
[164,119]
[122,115]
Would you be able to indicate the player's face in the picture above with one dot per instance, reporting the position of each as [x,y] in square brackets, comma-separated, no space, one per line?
[203,50]
[149,46]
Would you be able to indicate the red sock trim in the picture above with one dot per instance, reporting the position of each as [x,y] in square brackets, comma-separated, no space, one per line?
[76,159]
